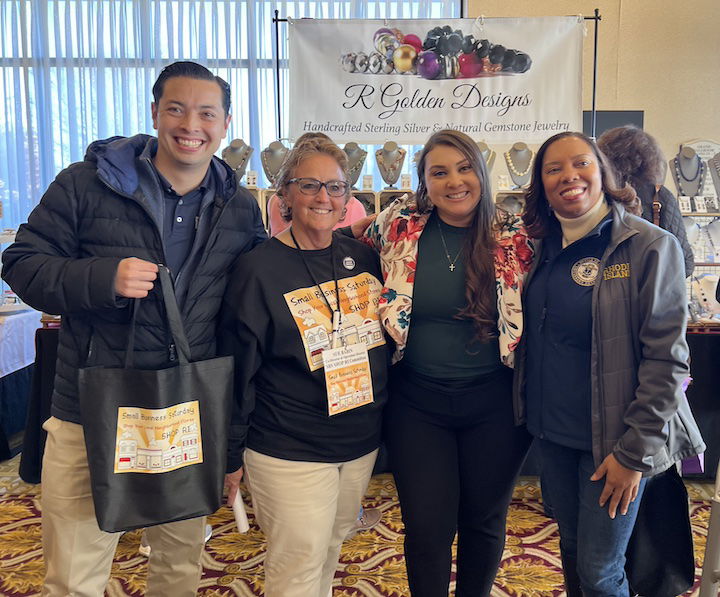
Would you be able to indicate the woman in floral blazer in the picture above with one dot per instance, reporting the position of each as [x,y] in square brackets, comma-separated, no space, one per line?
[454,269]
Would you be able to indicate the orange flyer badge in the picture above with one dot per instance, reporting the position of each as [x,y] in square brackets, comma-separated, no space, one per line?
[359,297]
[158,440]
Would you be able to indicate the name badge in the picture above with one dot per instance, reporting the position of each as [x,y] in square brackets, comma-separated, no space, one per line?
[347,378]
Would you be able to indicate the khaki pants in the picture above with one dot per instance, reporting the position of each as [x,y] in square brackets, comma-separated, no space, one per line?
[306,510]
[78,555]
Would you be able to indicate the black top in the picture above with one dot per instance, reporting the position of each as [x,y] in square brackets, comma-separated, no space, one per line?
[670,217]
[558,336]
[277,325]
[440,344]
[180,218]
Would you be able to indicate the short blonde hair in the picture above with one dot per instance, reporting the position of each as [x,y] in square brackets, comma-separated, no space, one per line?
[304,149]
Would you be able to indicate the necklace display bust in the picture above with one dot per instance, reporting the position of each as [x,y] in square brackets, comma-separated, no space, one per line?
[237,155]
[519,160]
[712,230]
[272,158]
[704,289]
[688,172]
[356,160]
[390,161]
[487,154]
[714,167]
[692,229]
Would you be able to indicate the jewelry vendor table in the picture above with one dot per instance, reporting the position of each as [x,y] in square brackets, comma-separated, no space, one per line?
[17,353]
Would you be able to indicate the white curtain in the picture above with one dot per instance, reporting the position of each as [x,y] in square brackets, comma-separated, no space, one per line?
[72,71]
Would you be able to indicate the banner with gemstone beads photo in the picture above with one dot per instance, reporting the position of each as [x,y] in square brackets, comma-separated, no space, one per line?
[496,79]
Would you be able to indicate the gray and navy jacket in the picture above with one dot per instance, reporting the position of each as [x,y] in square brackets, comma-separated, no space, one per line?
[639,355]
[98,212]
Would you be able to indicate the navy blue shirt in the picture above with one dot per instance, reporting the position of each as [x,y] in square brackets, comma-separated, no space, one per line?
[558,336]
[180,215]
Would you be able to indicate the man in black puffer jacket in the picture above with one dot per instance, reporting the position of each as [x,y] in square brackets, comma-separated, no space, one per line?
[91,246]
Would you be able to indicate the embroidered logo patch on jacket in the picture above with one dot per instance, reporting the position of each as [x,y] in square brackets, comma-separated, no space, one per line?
[585,271]
[617,270]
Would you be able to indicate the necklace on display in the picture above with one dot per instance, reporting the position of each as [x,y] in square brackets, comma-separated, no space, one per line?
[451,262]
[712,231]
[697,178]
[513,167]
[390,167]
[715,163]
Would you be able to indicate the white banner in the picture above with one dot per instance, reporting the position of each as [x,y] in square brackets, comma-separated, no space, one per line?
[499,80]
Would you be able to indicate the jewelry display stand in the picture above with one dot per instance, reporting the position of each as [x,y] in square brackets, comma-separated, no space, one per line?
[356,160]
[387,196]
[712,232]
[487,154]
[237,155]
[688,172]
[390,162]
[368,200]
[519,160]
[510,201]
[272,158]
[714,168]
[702,298]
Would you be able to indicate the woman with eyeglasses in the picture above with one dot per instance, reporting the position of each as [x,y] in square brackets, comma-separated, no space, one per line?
[453,267]
[310,375]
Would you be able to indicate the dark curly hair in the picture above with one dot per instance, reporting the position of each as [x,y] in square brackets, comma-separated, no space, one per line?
[480,293]
[539,218]
[635,155]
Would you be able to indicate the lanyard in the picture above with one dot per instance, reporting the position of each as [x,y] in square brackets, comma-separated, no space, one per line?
[336,314]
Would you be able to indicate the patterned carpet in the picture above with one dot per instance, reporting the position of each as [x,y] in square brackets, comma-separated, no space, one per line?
[371,563]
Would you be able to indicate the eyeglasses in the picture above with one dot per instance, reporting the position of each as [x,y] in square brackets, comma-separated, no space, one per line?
[312,186]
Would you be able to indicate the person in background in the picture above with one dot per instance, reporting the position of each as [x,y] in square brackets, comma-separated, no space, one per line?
[306,431]
[600,367]
[90,247]
[638,160]
[454,268]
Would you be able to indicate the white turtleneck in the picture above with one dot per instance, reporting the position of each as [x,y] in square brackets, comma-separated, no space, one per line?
[576,228]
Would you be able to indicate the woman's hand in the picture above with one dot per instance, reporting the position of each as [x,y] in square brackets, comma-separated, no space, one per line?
[232,483]
[621,485]
[358,227]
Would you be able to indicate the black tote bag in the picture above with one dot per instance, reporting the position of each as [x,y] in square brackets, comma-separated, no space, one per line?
[660,560]
[156,439]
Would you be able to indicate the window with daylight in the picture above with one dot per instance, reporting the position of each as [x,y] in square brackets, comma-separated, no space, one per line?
[72,71]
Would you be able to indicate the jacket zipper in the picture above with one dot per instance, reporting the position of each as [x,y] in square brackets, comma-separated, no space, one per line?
[171,347]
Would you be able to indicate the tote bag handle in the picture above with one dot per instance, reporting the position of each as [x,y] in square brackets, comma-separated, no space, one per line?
[174,320]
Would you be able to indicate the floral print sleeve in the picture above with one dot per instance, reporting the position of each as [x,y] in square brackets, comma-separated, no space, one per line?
[513,258]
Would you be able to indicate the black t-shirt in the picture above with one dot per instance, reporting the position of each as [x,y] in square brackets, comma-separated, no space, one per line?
[277,324]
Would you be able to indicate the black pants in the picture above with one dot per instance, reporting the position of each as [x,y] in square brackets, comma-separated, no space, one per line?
[455,455]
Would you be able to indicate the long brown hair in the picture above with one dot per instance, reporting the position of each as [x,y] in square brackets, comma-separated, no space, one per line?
[539,218]
[480,293]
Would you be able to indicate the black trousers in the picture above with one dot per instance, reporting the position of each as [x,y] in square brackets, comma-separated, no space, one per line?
[455,455]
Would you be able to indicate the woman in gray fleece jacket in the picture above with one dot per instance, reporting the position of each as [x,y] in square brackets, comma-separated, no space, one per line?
[602,361]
